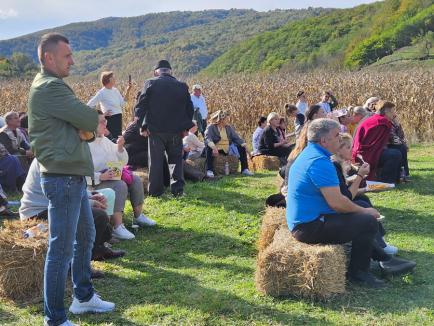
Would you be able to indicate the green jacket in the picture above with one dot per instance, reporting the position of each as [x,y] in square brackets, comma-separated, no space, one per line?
[55,116]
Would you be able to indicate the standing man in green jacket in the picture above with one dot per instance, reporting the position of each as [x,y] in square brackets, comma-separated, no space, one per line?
[57,123]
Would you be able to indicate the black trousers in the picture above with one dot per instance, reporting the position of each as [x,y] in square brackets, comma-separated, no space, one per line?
[358,228]
[210,158]
[114,125]
[390,163]
[404,160]
[159,144]
[138,159]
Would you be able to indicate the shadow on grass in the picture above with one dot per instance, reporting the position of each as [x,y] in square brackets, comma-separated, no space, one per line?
[420,184]
[6,317]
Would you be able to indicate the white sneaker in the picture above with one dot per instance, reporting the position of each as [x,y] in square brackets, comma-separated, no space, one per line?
[95,304]
[66,323]
[246,172]
[209,174]
[390,250]
[144,220]
[122,233]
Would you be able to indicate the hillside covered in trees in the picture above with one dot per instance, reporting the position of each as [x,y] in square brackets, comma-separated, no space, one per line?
[345,38]
[191,40]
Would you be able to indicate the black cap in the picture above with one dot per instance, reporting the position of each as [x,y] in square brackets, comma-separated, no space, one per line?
[163,64]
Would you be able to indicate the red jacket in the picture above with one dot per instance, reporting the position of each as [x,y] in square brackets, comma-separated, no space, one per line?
[371,137]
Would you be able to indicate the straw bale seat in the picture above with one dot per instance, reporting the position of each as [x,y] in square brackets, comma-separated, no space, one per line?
[286,266]
[198,163]
[22,262]
[220,161]
[265,162]
[143,174]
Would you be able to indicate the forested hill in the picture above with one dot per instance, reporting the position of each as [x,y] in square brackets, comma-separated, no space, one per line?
[191,40]
[345,38]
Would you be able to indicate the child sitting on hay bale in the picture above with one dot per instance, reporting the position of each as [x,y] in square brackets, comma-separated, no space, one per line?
[222,140]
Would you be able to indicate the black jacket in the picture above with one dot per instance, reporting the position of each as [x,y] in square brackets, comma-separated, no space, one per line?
[136,145]
[164,105]
[268,139]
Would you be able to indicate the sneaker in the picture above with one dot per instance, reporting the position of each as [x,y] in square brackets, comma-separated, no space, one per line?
[122,233]
[66,323]
[246,172]
[95,304]
[390,250]
[209,174]
[144,220]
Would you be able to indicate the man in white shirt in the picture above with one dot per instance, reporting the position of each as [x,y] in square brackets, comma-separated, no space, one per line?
[199,103]
[328,102]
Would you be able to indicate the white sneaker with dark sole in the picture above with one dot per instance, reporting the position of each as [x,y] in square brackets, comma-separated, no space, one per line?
[95,304]
[66,323]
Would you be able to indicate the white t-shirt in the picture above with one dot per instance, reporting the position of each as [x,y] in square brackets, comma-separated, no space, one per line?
[199,102]
[195,145]
[302,107]
[109,100]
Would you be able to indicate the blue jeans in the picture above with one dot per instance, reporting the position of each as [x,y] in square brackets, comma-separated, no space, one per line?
[72,234]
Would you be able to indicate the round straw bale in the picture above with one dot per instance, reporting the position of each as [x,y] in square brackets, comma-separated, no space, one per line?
[220,161]
[22,261]
[289,267]
[265,162]
[272,220]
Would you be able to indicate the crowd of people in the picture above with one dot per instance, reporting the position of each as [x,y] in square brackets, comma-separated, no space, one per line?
[75,167]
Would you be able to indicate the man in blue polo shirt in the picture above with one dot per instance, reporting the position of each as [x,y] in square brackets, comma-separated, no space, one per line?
[317,212]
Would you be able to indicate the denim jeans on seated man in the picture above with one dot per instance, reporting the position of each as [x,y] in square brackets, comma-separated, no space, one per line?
[72,234]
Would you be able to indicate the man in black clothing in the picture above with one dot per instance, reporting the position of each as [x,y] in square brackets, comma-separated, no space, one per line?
[164,110]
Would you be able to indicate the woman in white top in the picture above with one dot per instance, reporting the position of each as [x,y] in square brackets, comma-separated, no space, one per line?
[301,104]
[111,102]
[104,151]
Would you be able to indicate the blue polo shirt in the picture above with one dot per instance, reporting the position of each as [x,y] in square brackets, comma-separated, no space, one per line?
[311,171]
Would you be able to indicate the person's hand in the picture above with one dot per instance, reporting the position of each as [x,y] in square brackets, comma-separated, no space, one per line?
[120,142]
[29,153]
[187,149]
[144,133]
[372,211]
[215,152]
[107,175]
[364,170]
[99,201]
[108,113]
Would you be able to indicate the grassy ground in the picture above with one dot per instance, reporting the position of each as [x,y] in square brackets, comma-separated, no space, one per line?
[197,266]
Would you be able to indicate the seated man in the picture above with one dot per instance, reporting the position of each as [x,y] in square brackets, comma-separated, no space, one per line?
[136,146]
[222,139]
[317,212]
[12,174]
[256,138]
[34,204]
[370,143]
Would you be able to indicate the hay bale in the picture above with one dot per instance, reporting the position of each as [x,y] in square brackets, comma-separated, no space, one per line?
[273,219]
[220,161]
[289,267]
[198,163]
[264,162]
[143,174]
[22,262]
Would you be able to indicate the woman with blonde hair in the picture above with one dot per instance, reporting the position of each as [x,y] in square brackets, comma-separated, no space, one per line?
[111,102]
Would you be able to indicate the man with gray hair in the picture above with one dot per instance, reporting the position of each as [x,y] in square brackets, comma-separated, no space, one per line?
[317,212]
[165,111]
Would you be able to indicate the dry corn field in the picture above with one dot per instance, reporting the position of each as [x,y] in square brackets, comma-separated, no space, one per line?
[247,97]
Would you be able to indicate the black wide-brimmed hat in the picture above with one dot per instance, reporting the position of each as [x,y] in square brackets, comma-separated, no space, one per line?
[163,64]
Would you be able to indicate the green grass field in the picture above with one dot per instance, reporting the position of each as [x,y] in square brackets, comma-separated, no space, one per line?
[197,266]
